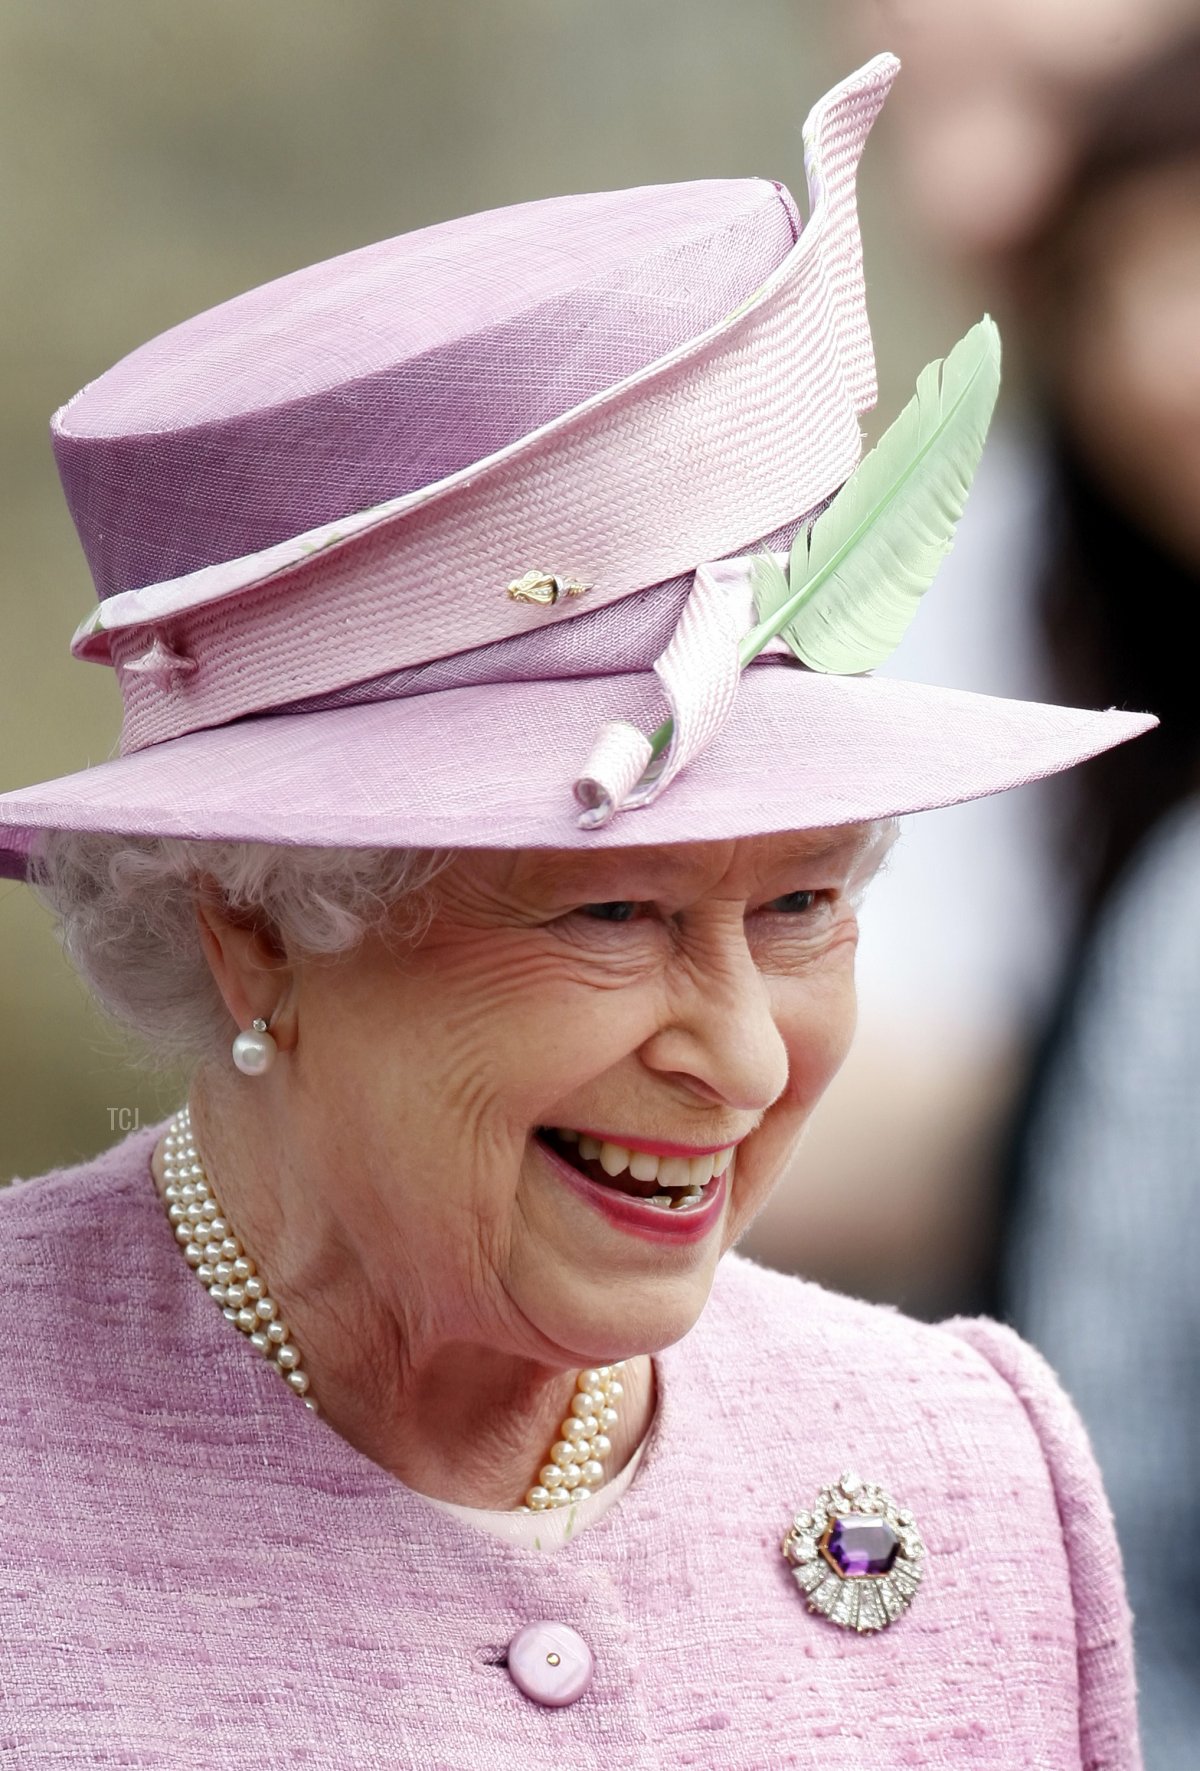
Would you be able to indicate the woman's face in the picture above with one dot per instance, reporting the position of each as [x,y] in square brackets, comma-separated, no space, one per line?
[694,998]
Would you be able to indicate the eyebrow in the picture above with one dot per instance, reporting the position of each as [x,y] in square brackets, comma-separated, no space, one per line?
[590,872]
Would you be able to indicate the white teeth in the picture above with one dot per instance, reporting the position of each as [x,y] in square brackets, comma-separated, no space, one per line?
[660,1199]
[678,1173]
[674,1171]
[683,1200]
[701,1170]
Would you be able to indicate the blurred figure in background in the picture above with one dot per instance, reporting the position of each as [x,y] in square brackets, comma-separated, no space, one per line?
[1101,1266]
[996,95]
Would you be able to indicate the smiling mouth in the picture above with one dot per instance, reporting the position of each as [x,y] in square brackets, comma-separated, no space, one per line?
[672,1183]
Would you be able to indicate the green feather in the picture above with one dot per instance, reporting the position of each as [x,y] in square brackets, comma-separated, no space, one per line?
[855,580]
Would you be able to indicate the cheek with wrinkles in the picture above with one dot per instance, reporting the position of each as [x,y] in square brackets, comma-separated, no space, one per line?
[818,1036]
[494,1028]
[534,1017]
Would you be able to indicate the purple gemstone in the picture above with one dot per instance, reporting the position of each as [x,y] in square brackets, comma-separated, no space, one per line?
[859,1543]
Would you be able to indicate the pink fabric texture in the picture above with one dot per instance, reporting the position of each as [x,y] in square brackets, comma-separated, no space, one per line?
[194,1571]
[441,347]
[742,429]
[749,420]
[1101,1615]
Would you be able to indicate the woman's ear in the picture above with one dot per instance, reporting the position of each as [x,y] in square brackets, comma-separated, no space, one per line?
[249,966]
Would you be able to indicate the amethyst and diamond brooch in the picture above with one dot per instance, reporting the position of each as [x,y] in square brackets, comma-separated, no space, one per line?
[857,1556]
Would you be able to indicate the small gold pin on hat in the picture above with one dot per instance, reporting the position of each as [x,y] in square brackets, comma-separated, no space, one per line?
[544,588]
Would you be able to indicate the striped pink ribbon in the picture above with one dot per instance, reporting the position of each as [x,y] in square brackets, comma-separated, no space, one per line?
[699,672]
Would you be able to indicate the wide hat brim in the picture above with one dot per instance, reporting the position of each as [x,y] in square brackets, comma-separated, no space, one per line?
[493,766]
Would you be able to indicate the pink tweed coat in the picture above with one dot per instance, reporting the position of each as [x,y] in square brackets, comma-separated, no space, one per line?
[194,1571]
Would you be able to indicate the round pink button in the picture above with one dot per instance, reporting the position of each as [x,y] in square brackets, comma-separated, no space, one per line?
[551,1663]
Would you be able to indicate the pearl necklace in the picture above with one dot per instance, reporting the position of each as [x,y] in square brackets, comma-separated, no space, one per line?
[216,1256]
[218,1259]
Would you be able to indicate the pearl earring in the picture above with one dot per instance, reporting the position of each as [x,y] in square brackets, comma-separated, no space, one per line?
[254,1051]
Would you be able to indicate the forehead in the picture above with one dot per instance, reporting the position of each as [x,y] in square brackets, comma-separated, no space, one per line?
[696,867]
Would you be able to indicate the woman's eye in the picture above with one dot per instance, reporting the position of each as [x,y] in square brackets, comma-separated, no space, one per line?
[794,903]
[617,910]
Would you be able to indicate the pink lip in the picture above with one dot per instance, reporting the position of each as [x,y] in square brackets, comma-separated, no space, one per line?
[650,1148]
[650,1222]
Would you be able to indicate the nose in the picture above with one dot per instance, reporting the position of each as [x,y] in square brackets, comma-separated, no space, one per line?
[718,1039]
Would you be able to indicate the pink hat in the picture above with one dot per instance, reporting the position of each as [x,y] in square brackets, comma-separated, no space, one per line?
[410,548]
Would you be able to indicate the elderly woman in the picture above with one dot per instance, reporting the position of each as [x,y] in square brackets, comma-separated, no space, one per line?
[493,810]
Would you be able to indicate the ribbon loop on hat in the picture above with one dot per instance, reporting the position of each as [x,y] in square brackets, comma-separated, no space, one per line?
[618,761]
[699,672]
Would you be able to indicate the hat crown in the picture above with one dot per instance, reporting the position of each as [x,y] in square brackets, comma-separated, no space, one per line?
[374,374]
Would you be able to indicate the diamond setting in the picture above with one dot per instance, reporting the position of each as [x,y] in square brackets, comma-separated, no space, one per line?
[855,1555]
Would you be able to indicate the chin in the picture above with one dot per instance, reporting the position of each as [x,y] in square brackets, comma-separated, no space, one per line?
[609,1274]
[598,1322]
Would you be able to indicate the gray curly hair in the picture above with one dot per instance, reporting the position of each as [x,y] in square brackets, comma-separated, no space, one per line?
[126,913]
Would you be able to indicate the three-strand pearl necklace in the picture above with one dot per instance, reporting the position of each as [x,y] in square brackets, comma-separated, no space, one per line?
[215,1254]
[219,1261]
